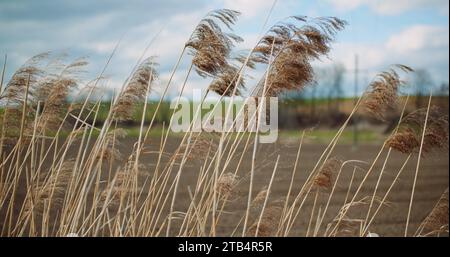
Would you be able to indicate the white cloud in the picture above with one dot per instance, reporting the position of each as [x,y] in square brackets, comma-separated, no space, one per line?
[419,46]
[370,55]
[347,5]
[419,37]
[101,47]
[249,8]
[390,7]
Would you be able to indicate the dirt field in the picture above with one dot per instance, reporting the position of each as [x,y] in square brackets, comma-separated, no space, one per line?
[432,181]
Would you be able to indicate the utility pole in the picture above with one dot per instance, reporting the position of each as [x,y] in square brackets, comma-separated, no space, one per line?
[355,120]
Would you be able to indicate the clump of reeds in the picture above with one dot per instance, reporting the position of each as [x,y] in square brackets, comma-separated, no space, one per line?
[289,49]
[382,95]
[136,90]
[437,221]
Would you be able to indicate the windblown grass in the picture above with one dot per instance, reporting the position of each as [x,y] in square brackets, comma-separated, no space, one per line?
[76,179]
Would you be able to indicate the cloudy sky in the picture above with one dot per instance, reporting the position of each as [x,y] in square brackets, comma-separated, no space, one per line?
[380,32]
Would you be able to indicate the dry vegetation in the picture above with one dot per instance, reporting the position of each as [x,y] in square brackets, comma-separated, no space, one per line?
[54,185]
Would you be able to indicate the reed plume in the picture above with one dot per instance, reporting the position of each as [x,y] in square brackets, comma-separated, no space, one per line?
[111,150]
[10,118]
[436,136]
[226,184]
[51,187]
[54,93]
[437,221]
[291,48]
[405,141]
[27,75]
[202,144]
[383,92]
[225,83]
[136,90]
[259,198]
[229,81]
[23,80]
[121,186]
[324,179]
[209,45]
[270,219]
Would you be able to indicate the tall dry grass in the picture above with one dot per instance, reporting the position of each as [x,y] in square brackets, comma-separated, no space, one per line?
[76,180]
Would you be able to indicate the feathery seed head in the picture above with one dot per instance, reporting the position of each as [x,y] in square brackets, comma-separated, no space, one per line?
[324,178]
[136,90]
[290,48]
[210,45]
[437,221]
[226,184]
[407,139]
[382,95]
